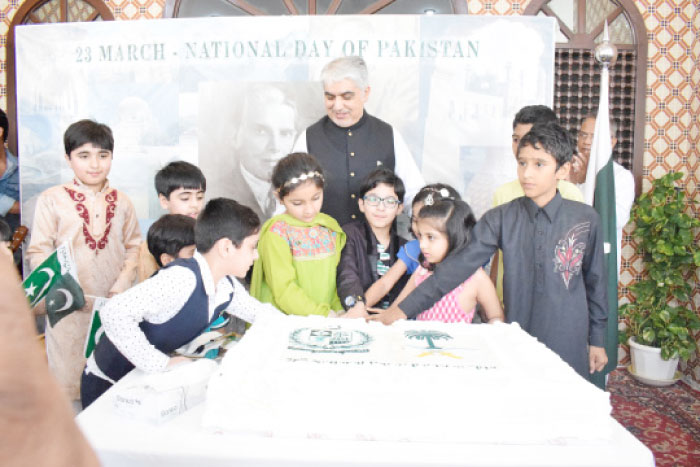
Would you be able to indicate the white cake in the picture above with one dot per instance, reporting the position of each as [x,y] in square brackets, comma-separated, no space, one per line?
[412,381]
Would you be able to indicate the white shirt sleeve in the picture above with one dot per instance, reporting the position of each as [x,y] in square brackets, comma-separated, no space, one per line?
[300,144]
[407,170]
[624,194]
[155,300]
[246,307]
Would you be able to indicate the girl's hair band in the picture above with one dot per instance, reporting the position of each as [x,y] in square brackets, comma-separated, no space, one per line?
[302,178]
[443,192]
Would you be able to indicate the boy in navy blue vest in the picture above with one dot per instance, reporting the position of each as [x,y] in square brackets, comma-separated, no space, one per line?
[143,325]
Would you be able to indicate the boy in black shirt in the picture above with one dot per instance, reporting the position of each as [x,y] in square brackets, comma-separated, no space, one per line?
[554,276]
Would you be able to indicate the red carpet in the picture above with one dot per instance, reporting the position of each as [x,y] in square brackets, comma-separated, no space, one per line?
[667,420]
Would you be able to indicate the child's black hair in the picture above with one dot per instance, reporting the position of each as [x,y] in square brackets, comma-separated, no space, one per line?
[436,191]
[5,231]
[454,218]
[224,218]
[294,169]
[384,176]
[170,234]
[88,131]
[4,124]
[552,139]
[531,114]
[179,174]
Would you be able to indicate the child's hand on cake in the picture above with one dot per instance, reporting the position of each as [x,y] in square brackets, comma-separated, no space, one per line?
[388,316]
[357,311]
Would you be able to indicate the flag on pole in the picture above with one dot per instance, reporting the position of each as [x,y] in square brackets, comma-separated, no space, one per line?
[95,330]
[599,191]
[55,279]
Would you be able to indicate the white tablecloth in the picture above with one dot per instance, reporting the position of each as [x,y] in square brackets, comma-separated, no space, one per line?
[121,441]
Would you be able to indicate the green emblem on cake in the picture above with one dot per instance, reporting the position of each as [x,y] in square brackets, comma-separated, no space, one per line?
[429,336]
[331,339]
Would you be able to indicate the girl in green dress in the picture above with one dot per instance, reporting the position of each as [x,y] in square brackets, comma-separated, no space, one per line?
[299,250]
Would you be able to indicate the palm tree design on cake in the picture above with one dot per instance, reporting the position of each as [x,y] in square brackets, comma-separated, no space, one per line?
[429,336]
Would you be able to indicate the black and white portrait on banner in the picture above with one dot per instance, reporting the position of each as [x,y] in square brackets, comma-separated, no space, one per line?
[245,129]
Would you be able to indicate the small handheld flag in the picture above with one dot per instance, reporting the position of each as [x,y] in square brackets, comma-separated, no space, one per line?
[57,280]
[95,330]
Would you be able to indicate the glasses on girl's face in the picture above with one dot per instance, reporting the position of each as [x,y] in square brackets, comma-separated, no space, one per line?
[389,201]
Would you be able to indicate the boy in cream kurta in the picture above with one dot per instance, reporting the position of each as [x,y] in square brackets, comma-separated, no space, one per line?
[100,223]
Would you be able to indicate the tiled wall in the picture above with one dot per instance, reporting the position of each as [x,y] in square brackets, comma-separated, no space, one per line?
[672,130]
[136,9]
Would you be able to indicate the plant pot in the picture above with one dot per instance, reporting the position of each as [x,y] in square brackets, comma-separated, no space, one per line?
[647,362]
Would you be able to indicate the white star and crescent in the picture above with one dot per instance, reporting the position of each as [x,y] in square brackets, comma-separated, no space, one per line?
[29,291]
[69,300]
[50,273]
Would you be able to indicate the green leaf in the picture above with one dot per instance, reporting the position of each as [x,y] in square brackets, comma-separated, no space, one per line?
[665,248]
[680,294]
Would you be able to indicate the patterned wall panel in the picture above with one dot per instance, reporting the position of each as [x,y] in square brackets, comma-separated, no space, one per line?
[136,9]
[496,7]
[577,92]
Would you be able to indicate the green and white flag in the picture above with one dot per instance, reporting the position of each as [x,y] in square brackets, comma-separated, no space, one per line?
[599,191]
[57,280]
[95,330]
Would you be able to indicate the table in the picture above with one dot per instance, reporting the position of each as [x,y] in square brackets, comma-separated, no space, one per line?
[120,441]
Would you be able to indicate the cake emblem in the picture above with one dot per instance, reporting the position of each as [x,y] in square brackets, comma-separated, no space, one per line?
[330,339]
[430,336]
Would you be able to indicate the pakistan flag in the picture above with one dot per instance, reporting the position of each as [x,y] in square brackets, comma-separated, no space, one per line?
[56,280]
[95,330]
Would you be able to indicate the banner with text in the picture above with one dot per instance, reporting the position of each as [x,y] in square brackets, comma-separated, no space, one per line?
[233,94]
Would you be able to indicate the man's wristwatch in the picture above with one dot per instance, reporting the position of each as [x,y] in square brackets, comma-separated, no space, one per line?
[352,300]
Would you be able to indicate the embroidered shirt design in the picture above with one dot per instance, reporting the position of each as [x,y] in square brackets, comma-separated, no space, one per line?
[568,253]
[307,243]
[79,198]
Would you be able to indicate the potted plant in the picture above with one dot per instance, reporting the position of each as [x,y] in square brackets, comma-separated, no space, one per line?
[659,319]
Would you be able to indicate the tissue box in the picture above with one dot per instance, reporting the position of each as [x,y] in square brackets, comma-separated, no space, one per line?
[159,397]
